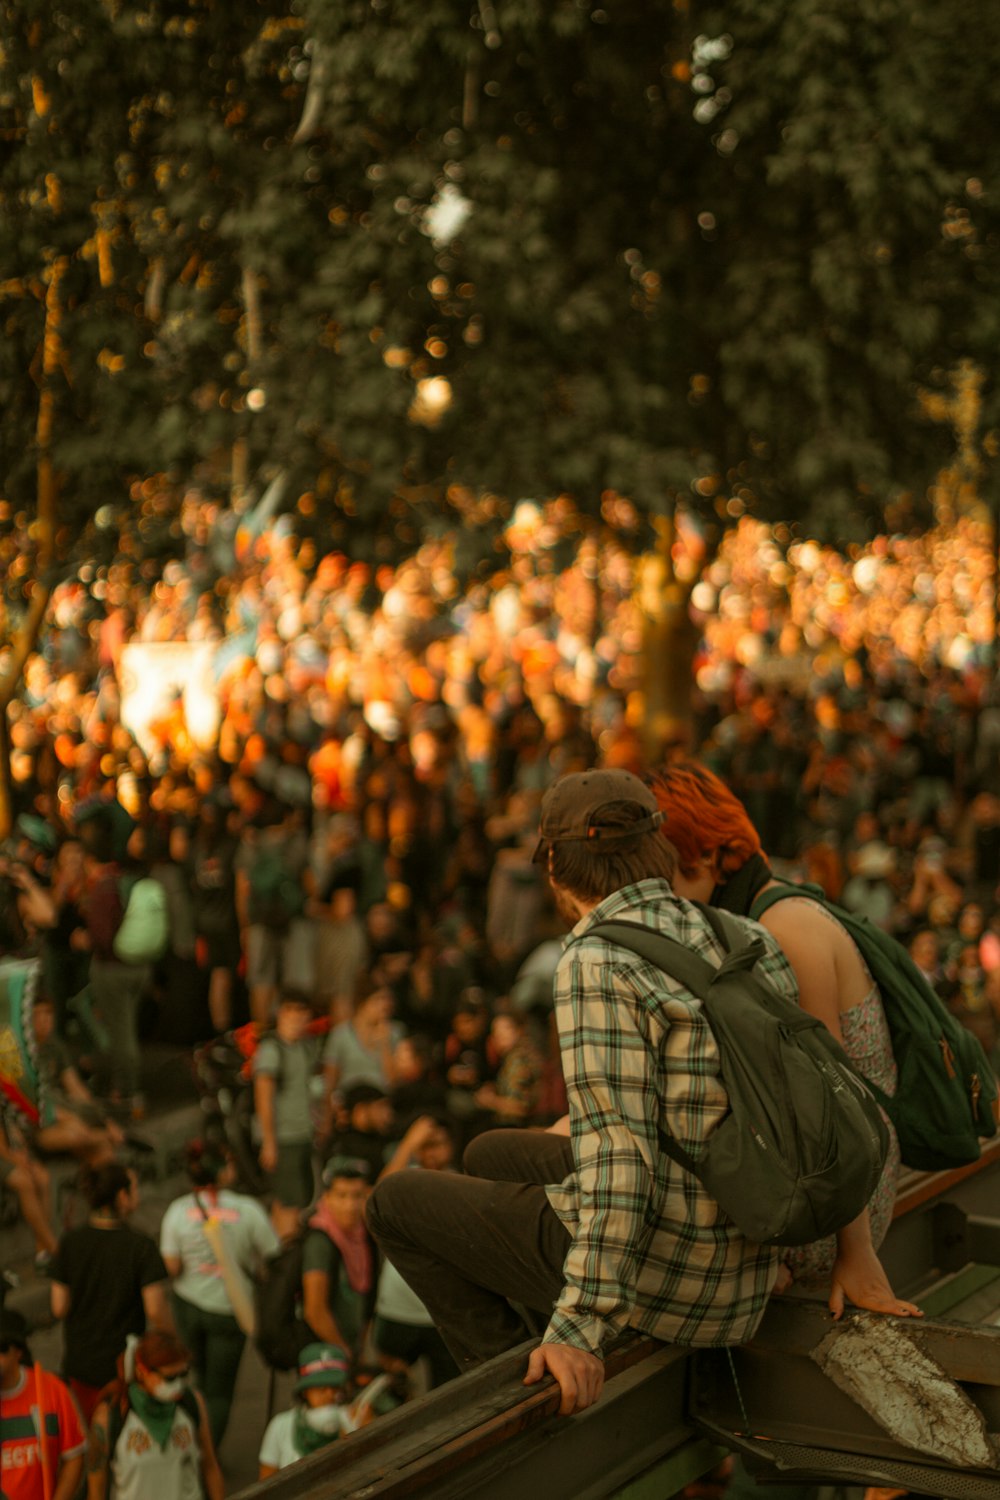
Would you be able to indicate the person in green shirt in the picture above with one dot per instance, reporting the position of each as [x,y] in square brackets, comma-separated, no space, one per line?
[339,1259]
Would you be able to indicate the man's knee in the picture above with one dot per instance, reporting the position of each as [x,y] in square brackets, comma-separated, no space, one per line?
[479,1156]
[386,1210]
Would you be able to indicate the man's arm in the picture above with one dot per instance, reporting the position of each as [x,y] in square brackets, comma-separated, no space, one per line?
[265,1088]
[614,1087]
[35,902]
[157,1307]
[408,1147]
[98,1455]
[74,1087]
[316,1308]
[70,1474]
[211,1474]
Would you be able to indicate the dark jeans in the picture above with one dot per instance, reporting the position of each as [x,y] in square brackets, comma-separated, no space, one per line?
[215,1343]
[116,991]
[470,1246]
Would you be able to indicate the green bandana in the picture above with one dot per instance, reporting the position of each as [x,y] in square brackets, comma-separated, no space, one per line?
[306,1438]
[156,1416]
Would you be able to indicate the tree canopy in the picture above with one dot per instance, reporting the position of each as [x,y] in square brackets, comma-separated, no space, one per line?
[403,250]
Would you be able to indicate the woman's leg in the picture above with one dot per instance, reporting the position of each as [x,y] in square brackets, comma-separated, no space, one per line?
[224,1341]
[22,1182]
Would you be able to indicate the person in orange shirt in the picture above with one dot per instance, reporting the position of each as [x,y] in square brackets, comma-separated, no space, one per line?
[33,1401]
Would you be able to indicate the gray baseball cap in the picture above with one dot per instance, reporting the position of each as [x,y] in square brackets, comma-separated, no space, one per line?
[572,807]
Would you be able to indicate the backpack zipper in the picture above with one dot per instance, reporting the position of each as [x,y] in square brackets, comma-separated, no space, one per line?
[975,1088]
[948,1057]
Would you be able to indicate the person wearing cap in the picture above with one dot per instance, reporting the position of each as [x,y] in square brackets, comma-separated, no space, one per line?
[601,1230]
[31,1402]
[320,1413]
[339,1260]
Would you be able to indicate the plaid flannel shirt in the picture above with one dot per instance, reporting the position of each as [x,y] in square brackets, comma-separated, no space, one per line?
[651,1250]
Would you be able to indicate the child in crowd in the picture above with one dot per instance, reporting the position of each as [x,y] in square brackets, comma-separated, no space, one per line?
[319,1414]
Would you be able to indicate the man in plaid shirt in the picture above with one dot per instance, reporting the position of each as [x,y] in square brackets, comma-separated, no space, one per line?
[591,1223]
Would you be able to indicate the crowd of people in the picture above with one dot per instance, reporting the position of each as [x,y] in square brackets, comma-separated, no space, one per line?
[351,911]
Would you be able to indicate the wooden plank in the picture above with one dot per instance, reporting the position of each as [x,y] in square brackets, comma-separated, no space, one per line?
[918,1188]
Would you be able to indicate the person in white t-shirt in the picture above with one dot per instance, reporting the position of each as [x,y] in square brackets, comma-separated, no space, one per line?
[209,1291]
[319,1414]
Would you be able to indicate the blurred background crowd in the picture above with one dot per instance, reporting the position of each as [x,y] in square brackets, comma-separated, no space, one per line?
[357,951]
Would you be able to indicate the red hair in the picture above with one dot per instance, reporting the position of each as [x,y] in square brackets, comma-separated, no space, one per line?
[702,817]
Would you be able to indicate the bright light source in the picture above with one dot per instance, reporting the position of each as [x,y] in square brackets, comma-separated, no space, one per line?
[446,215]
[432,400]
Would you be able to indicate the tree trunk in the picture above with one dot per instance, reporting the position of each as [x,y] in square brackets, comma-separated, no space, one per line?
[26,636]
[670,639]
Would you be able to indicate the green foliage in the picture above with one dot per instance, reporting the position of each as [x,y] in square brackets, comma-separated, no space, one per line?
[736,280]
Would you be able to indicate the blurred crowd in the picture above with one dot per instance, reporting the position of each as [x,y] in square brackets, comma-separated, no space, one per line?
[346,866]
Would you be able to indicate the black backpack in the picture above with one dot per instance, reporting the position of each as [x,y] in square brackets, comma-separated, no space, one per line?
[946,1097]
[281,1332]
[800,1152]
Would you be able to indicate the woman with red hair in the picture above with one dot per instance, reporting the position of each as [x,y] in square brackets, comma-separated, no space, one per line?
[720,861]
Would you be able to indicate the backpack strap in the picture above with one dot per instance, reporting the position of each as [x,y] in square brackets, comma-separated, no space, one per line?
[687,967]
[676,959]
[782,892]
[189,1403]
[695,973]
[119,1407]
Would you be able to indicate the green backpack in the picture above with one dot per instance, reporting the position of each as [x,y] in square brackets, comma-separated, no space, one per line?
[276,897]
[802,1148]
[946,1097]
[144,933]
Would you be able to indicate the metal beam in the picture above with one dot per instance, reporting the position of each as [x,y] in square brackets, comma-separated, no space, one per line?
[962,1239]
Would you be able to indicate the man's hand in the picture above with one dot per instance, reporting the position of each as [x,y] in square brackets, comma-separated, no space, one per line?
[579,1375]
[269,1156]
